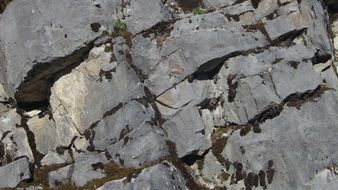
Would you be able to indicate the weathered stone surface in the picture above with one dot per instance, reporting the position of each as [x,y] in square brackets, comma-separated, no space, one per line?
[214,4]
[330,77]
[187,131]
[47,41]
[65,127]
[44,131]
[144,144]
[317,34]
[236,94]
[210,172]
[13,173]
[114,127]
[185,53]
[80,172]
[334,33]
[3,95]
[96,86]
[16,144]
[162,176]
[141,15]
[260,80]
[8,121]
[53,158]
[185,94]
[291,144]
[279,27]
[326,179]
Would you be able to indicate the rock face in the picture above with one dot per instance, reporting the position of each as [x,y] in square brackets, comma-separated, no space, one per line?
[13,173]
[50,41]
[162,176]
[175,94]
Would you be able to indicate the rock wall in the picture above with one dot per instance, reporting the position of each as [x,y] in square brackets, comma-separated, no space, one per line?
[149,94]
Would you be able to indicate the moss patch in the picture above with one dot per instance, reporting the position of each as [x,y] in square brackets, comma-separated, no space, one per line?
[223,176]
[112,171]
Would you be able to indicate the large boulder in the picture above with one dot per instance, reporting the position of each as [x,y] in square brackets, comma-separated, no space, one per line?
[290,148]
[97,86]
[37,42]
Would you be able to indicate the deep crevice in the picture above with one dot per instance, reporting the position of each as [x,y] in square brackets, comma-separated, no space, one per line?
[30,138]
[3,5]
[294,100]
[42,77]
[177,162]
[192,158]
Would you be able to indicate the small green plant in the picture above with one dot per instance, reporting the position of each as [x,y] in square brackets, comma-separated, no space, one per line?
[199,11]
[120,25]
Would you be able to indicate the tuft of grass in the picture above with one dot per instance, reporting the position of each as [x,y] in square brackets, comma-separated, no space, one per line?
[120,29]
[120,25]
[199,11]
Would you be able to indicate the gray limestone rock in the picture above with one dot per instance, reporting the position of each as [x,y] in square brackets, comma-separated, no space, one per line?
[330,77]
[16,144]
[15,172]
[3,95]
[210,172]
[162,176]
[216,4]
[290,146]
[184,94]
[326,179]
[144,144]
[114,127]
[145,54]
[317,35]
[95,87]
[44,131]
[65,127]
[141,15]
[280,27]
[8,121]
[187,131]
[249,84]
[245,90]
[53,158]
[186,53]
[37,42]
[81,172]
[303,73]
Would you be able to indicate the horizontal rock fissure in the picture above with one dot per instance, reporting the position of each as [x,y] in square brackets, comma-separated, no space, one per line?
[294,100]
[42,77]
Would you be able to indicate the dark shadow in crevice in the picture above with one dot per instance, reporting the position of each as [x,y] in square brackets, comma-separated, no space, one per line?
[188,5]
[192,158]
[3,5]
[210,69]
[34,92]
